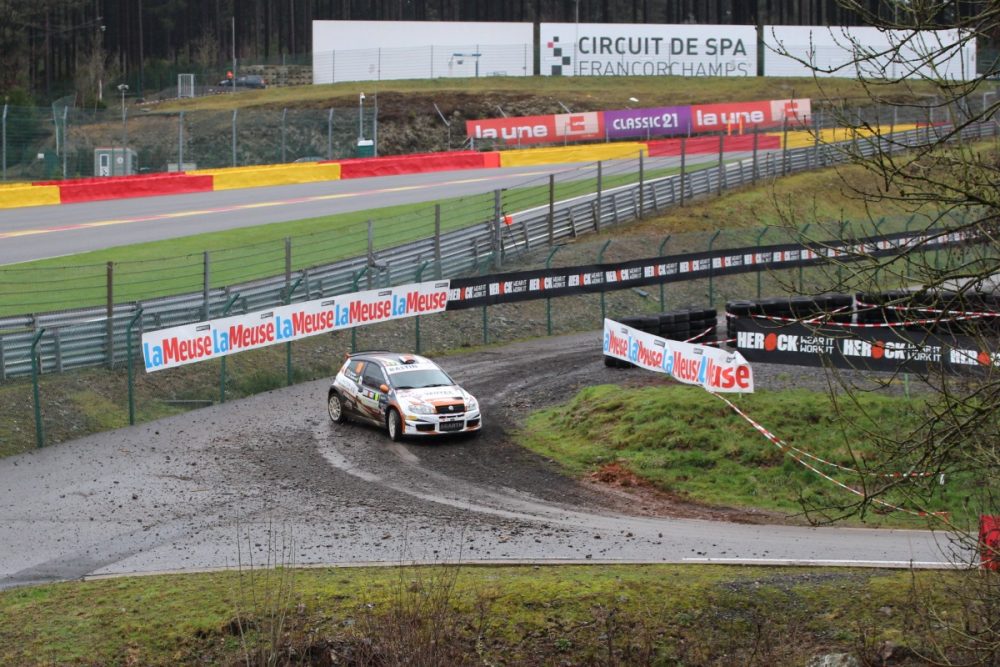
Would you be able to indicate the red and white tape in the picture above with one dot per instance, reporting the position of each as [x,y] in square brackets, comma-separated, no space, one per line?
[788,449]
[970,313]
[694,338]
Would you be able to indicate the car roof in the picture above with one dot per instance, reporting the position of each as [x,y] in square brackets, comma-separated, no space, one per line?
[387,358]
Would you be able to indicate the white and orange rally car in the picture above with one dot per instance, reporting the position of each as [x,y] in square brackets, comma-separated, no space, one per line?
[403,393]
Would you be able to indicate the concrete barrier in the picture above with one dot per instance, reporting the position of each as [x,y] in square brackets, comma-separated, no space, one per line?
[124,187]
[562,154]
[417,163]
[710,145]
[23,195]
[234,178]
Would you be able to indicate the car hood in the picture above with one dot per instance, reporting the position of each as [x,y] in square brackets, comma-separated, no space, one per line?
[432,395]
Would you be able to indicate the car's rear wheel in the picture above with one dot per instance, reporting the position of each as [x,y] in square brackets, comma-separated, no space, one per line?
[335,406]
[394,424]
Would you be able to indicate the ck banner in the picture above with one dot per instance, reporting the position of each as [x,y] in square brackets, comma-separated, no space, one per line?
[708,367]
[878,349]
[494,289]
[191,343]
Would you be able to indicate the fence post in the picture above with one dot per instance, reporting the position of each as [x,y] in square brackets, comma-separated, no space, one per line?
[235,111]
[552,208]
[784,146]
[284,115]
[600,259]
[659,253]
[642,194]
[802,241]
[39,429]
[288,345]
[222,362]
[683,159]
[206,282]
[288,261]
[110,315]
[760,238]
[711,269]
[354,287]
[329,135]
[722,171]
[497,229]
[131,373]
[600,174]
[371,252]
[548,300]
[3,138]
[756,137]
[416,334]
[437,241]
[65,140]
[180,142]
[840,263]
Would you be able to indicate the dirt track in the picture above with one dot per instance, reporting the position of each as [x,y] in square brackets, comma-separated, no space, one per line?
[211,488]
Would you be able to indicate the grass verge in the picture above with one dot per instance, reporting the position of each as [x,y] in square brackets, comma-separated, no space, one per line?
[683,441]
[663,614]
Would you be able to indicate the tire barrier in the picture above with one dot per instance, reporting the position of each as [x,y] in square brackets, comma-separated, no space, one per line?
[124,187]
[693,325]
[417,164]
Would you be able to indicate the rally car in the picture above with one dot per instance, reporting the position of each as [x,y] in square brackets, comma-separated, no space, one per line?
[404,393]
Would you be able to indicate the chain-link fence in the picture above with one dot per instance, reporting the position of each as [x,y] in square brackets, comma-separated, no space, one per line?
[58,142]
[61,142]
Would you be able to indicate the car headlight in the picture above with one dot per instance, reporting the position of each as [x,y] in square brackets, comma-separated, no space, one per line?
[471,404]
[421,409]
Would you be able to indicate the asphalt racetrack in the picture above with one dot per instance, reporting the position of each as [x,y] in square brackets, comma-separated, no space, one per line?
[211,488]
[41,232]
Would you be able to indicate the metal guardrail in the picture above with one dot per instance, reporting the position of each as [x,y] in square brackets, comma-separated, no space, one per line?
[80,338]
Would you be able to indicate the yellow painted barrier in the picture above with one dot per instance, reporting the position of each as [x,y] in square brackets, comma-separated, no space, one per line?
[799,139]
[283,174]
[17,196]
[592,153]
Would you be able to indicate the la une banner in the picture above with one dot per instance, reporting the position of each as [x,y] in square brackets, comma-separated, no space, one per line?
[708,367]
[200,341]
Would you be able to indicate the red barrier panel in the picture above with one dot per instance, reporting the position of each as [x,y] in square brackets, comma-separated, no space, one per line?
[414,164]
[989,542]
[742,142]
[93,189]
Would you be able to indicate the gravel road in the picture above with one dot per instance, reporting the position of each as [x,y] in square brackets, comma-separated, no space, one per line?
[241,481]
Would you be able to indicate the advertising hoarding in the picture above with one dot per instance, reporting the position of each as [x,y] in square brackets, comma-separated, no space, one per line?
[934,54]
[538,129]
[630,49]
[383,50]
[201,341]
[702,365]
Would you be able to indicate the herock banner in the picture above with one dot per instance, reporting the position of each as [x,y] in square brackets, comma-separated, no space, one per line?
[200,341]
[709,367]
[639,49]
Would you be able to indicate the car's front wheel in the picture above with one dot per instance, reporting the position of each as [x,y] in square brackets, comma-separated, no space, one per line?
[335,406]
[394,424]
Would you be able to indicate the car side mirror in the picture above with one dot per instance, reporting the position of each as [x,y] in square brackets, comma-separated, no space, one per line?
[384,388]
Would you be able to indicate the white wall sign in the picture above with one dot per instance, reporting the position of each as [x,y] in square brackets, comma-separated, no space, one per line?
[935,54]
[622,49]
[377,50]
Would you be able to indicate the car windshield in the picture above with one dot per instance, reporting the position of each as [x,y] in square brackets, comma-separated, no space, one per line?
[421,378]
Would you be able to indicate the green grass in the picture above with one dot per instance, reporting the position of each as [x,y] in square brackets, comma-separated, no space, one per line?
[176,266]
[488,615]
[581,93]
[686,442]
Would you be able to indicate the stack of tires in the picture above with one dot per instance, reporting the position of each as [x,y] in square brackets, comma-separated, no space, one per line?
[821,307]
[674,325]
[935,312]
